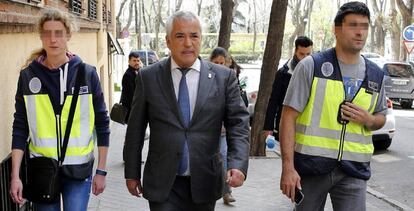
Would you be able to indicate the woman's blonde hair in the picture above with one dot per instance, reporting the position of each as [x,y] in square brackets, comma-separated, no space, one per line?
[51,15]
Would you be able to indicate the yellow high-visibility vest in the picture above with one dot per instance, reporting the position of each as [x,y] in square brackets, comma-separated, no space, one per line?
[47,129]
[318,132]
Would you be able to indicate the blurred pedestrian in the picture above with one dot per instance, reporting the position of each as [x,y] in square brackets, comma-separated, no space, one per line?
[220,56]
[303,48]
[334,100]
[44,95]
[128,81]
[237,68]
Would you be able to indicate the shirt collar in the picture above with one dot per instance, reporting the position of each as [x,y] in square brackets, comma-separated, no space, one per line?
[196,65]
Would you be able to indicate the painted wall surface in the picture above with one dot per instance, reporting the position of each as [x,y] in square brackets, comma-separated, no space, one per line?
[16,48]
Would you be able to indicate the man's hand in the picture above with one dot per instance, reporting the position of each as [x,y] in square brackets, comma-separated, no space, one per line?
[354,113]
[289,181]
[134,187]
[98,185]
[235,178]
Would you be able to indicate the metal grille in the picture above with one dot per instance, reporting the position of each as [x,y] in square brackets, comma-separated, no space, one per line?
[75,6]
[92,10]
[109,17]
[104,15]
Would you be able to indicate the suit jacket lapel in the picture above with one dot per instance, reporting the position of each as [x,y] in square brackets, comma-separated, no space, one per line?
[204,85]
[167,87]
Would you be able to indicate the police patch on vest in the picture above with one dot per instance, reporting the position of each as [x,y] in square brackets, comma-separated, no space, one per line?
[82,90]
[35,85]
[327,69]
[373,85]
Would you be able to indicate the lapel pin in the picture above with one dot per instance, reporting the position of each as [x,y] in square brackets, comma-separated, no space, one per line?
[209,75]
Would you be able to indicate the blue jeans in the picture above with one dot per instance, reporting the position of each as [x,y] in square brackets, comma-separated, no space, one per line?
[75,194]
[223,152]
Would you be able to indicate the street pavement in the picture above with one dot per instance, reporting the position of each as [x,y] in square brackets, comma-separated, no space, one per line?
[260,192]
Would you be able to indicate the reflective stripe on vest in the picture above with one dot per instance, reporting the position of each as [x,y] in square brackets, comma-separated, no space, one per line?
[44,136]
[319,134]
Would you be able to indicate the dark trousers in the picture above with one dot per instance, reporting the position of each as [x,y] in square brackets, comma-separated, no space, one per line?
[180,199]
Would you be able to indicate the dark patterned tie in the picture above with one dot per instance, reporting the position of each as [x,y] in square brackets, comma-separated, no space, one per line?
[184,103]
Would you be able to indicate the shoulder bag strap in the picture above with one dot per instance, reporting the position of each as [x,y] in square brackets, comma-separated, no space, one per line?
[79,76]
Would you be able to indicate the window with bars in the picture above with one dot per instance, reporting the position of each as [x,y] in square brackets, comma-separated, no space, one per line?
[75,6]
[104,15]
[109,17]
[92,13]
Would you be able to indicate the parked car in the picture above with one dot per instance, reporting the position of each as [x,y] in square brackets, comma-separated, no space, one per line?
[399,83]
[382,138]
[148,57]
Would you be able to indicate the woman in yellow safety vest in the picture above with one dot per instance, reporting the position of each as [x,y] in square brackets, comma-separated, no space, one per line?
[43,100]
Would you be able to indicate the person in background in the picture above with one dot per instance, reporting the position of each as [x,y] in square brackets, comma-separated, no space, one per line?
[334,100]
[220,56]
[185,100]
[128,81]
[48,79]
[236,67]
[303,48]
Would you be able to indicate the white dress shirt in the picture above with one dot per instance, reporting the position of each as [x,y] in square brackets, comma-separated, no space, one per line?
[192,78]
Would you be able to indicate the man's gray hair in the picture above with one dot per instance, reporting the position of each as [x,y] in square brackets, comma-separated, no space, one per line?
[180,15]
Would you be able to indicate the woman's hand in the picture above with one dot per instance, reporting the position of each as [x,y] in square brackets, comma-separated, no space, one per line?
[16,191]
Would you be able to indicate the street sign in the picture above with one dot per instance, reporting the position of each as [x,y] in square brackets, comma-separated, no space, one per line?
[409,46]
[408,33]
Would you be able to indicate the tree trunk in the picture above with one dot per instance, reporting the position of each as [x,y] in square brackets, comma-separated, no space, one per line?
[379,36]
[395,33]
[271,58]
[225,23]
[118,21]
[406,13]
[254,26]
[372,38]
[199,2]
[143,16]
[157,22]
[131,14]
[299,15]
[178,5]
[138,24]
[379,25]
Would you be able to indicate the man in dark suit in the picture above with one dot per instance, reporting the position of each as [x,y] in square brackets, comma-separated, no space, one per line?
[185,100]
[128,81]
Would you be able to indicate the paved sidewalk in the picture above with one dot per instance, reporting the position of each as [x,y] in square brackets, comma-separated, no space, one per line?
[260,192]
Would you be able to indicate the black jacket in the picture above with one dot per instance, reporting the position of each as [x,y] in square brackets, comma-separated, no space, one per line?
[128,88]
[274,107]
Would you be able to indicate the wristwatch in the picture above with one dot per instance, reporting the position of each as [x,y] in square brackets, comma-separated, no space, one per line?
[101,172]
